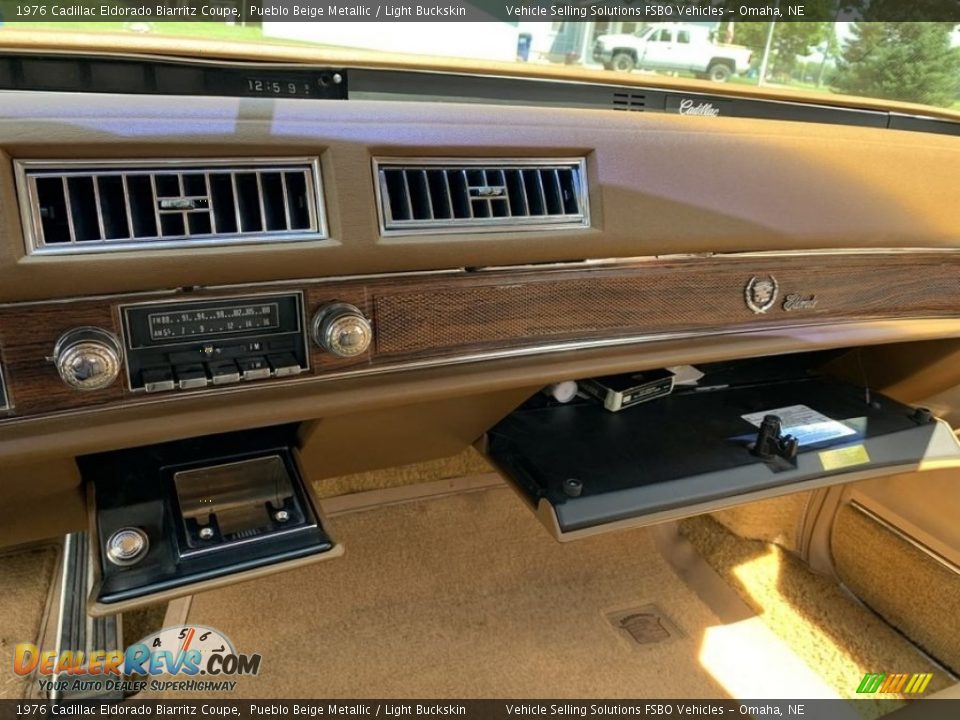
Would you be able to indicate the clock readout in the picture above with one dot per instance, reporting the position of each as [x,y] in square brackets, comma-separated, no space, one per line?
[289,87]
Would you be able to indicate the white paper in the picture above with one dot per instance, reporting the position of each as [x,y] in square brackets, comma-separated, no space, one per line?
[804,423]
[685,374]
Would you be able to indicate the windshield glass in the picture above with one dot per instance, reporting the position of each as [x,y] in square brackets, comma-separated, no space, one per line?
[916,62]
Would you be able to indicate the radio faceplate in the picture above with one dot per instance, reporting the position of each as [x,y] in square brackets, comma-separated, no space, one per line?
[193,344]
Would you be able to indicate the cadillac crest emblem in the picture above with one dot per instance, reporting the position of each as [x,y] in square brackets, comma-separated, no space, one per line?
[761,293]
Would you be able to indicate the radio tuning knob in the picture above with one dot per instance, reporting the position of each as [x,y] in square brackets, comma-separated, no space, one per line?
[342,330]
[88,358]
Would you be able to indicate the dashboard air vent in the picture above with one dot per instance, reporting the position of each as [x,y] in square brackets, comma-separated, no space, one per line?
[629,102]
[77,206]
[417,196]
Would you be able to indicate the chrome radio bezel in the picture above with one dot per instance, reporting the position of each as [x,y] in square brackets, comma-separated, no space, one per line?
[126,335]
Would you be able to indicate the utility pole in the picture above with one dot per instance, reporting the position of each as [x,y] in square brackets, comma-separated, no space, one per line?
[762,80]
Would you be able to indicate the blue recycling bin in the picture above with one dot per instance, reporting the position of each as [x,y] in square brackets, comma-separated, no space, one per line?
[524,41]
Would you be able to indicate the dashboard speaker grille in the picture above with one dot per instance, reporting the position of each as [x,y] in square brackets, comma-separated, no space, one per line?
[71,206]
[629,102]
[418,196]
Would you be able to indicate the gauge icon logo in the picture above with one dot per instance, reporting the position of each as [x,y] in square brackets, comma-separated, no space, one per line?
[188,650]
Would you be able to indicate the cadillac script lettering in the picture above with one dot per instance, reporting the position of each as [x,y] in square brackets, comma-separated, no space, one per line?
[706,109]
[799,302]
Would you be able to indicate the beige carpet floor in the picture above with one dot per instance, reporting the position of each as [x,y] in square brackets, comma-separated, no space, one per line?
[25,579]
[820,622]
[465,596]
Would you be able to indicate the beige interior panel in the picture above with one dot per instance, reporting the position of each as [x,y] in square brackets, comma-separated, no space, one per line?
[923,506]
[400,436]
[915,593]
[40,500]
[777,520]
[908,372]
[660,184]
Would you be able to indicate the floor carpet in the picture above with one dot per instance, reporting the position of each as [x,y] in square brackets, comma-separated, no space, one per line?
[464,596]
[822,623]
[25,578]
[467,596]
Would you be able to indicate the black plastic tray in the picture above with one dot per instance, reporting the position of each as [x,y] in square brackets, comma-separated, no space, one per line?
[133,488]
[693,447]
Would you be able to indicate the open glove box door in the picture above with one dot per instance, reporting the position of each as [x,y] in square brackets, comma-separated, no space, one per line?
[586,470]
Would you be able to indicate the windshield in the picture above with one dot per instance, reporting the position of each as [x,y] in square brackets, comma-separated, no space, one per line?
[917,62]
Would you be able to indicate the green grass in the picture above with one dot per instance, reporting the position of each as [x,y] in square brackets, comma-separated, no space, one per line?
[203,30]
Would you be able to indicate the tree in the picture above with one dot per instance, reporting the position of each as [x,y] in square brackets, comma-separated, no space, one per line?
[909,61]
[790,41]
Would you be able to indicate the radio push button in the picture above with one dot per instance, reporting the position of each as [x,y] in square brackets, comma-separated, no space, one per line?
[191,376]
[285,365]
[224,373]
[158,380]
[254,368]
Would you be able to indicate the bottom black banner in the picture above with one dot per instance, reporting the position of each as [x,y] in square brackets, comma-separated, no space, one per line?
[492,709]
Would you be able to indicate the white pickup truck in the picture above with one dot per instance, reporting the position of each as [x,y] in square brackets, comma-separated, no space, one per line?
[672,46]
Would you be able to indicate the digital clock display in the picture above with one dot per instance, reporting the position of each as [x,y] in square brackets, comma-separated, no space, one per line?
[213,321]
[280,87]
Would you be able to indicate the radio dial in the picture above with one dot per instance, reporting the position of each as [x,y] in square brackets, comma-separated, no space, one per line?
[88,358]
[342,330]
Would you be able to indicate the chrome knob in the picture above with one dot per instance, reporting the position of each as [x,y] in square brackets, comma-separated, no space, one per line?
[88,358]
[127,546]
[342,330]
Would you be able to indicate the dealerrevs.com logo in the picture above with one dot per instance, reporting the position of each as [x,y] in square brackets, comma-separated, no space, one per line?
[187,657]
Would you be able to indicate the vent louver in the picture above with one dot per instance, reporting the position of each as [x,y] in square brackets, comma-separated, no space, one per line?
[629,102]
[75,206]
[480,195]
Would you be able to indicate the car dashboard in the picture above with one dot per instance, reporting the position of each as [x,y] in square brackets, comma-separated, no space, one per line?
[369,266]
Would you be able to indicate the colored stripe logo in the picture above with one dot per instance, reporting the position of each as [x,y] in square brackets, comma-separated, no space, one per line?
[905,683]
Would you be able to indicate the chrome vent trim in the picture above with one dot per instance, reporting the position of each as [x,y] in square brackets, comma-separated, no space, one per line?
[5,403]
[83,206]
[417,196]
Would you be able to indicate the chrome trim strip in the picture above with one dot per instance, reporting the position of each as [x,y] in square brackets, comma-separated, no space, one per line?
[389,227]
[286,200]
[7,405]
[101,226]
[126,205]
[156,205]
[66,581]
[544,349]
[262,203]
[28,170]
[887,525]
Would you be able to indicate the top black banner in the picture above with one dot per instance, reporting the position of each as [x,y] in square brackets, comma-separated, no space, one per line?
[13,11]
